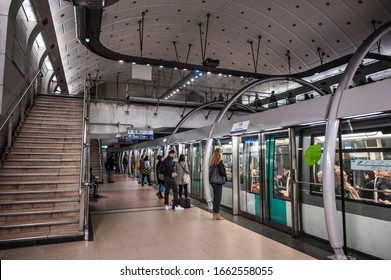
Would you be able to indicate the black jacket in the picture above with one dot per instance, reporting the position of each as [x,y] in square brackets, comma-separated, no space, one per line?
[168,166]
[157,171]
[222,170]
[110,164]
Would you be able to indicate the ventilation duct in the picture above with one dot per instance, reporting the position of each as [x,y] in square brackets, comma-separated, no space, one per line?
[92,4]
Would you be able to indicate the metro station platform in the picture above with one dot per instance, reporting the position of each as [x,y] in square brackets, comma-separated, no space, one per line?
[129,222]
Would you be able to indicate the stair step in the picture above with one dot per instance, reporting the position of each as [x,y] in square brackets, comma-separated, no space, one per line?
[39,224]
[61,116]
[59,105]
[12,195]
[68,156]
[22,205]
[39,185]
[38,169]
[57,144]
[48,134]
[55,118]
[49,139]
[39,214]
[57,111]
[11,229]
[33,127]
[20,177]
[50,121]
[33,237]
[41,149]
[39,162]
[50,126]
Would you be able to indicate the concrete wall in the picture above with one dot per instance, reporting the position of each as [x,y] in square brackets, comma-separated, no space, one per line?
[105,115]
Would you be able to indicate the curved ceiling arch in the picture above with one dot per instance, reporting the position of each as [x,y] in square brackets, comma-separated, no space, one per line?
[335,26]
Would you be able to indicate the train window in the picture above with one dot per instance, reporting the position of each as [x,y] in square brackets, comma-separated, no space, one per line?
[249,165]
[227,159]
[366,167]
[281,169]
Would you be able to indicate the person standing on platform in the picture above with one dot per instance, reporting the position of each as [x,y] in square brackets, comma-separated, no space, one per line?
[160,183]
[125,163]
[140,166]
[167,167]
[217,161]
[146,171]
[110,168]
[181,169]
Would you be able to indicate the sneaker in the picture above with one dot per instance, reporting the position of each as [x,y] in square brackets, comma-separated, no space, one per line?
[179,208]
[168,207]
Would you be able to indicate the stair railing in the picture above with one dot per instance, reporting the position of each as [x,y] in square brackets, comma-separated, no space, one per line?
[85,169]
[6,118]
[100,160]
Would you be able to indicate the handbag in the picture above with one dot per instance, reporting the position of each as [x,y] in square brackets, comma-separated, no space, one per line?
[145,171]
[215,177]
[186,177]
[160,176]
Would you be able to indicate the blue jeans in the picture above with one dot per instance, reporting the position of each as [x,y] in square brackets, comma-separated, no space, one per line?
[143,179]
[160,187]
[217,195]
[140,179]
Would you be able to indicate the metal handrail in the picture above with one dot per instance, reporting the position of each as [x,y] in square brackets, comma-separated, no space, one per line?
[20,100]
[84,171]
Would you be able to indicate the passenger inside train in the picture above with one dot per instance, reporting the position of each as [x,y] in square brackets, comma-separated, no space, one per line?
[349,191]
[383,185]
[368,184]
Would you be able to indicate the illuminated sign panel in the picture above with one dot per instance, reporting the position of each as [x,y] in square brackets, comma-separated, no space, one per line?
[140,134]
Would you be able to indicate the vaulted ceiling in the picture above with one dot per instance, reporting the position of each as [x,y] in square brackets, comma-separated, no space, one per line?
[309,32]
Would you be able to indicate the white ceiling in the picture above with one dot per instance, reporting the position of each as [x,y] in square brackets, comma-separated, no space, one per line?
[337,27]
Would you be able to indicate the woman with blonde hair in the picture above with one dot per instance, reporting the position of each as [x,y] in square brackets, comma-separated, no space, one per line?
[217,162]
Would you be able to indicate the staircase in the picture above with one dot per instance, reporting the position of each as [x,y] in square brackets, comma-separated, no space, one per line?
[40,174]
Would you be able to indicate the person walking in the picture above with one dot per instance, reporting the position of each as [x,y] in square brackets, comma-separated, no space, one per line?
[167,167]
[217,162]
[160,183]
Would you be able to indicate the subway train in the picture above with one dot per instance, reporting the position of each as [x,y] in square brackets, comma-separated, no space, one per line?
[270,181]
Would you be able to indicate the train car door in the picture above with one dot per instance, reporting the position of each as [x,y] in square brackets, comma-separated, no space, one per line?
[250,177]
[277,181]
[195,186]
[226,145]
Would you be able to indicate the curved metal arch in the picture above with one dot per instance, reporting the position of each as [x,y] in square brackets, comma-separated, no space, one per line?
[208,148]
[192,112]
[332,127]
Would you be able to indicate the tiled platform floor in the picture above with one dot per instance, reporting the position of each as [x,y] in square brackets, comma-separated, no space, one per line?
[129,222]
